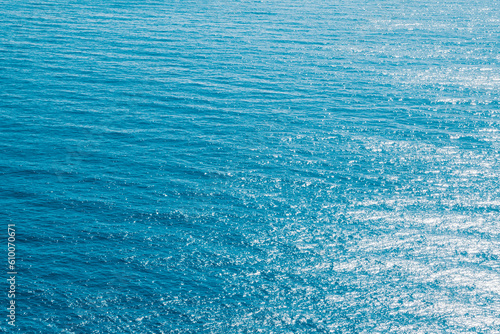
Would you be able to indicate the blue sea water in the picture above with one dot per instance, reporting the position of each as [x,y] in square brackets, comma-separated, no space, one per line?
[251,166]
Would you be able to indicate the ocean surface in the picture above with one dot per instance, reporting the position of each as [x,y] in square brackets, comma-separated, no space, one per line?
[251,166]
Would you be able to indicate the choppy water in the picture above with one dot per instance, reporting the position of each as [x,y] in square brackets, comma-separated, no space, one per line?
[252,166]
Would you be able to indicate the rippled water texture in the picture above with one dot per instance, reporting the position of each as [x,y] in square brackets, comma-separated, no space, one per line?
[252,166]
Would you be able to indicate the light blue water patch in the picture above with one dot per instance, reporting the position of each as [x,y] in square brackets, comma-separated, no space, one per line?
[251,166]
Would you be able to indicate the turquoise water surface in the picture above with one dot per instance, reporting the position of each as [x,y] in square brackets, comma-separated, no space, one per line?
[251,166]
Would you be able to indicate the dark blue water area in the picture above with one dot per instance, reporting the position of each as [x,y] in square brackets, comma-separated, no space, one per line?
[251,166]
